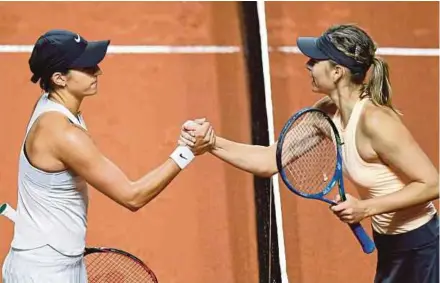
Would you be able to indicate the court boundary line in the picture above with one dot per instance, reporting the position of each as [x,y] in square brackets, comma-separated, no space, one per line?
[223,49]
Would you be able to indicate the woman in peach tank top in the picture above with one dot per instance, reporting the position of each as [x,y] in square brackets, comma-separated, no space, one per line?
[395,178]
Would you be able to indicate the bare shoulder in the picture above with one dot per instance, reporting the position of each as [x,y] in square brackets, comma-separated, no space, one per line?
[378,120]
[59,131]
[327,105]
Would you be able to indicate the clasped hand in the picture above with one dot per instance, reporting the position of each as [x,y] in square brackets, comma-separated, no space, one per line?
[198,135]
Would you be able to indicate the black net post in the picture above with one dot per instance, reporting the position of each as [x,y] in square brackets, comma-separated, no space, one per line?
[268,257]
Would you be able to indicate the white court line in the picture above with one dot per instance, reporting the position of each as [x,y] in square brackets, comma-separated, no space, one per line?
[274,194]
[142,49]
[216,49]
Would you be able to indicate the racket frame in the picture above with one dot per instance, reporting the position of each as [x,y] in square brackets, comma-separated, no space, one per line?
[337,176]
[359,232]
[94,250]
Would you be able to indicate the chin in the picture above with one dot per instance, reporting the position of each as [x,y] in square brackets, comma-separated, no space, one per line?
[315,89]
[91,93]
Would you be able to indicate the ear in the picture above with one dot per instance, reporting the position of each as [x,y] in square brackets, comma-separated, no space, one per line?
[59,79]
[337,73]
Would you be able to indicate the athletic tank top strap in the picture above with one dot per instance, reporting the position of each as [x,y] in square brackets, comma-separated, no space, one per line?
[45,105]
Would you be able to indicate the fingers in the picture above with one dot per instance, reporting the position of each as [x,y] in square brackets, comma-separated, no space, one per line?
[345,215]
[182,143]
[198,135]
[339,207]
[187,139]
[203,142]
[212,139]
[190,126]
[347,219]
[346,212]
[198,126]
[203,129]
[208,135]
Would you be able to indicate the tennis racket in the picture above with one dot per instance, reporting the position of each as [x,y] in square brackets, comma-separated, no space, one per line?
[113,265]
[106,265]
[309,161]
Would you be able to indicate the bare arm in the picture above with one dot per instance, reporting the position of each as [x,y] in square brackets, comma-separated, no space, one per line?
[78,152]
[394,144]
[255,159]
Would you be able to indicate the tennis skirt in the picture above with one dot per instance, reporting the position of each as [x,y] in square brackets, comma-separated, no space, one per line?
[43,264]
[412,257]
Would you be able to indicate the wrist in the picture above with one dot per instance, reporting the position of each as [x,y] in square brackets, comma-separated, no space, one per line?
[368,208]
[217,144]
[182,156]
[214,145]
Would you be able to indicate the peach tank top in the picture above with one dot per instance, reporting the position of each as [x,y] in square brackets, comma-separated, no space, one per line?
[377,179]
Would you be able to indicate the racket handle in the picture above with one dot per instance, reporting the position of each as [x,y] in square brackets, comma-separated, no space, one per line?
[7,211]
[365,241]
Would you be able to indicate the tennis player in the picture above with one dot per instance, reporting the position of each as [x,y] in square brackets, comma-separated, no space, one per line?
[59,158]
[396,180]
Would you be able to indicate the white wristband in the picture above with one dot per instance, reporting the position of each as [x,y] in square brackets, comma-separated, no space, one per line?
[183,156]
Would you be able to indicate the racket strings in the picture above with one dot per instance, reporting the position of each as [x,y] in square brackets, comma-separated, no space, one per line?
[115,268]
[309,153]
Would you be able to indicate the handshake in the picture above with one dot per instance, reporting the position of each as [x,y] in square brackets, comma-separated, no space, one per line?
[198,135]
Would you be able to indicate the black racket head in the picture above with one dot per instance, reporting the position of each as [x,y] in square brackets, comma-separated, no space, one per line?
[105,265]
[308,154]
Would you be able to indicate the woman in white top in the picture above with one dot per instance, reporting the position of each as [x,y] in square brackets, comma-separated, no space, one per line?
[57,160]
[395,178]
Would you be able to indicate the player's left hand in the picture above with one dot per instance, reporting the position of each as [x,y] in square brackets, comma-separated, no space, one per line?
[350,211]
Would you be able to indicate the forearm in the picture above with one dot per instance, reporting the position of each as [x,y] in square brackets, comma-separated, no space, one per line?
[413,194]
[149,186]
[258,160]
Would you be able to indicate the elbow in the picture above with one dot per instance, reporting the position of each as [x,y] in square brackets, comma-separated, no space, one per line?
[269,163]
[432,188]
[270,169]
[434,185]
[133,207]
[132,202]
[138,198]
[137,202]
[267,171]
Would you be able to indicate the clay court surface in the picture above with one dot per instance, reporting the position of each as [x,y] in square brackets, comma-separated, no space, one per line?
[202,229]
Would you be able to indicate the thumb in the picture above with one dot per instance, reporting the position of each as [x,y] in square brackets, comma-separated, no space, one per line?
[190,125]
[338,207]
[337,198]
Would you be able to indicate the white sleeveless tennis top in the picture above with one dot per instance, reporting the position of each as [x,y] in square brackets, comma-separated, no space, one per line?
[52,207]
[377,179]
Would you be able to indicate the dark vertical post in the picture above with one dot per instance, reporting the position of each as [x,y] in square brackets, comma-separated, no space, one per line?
[268,258]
